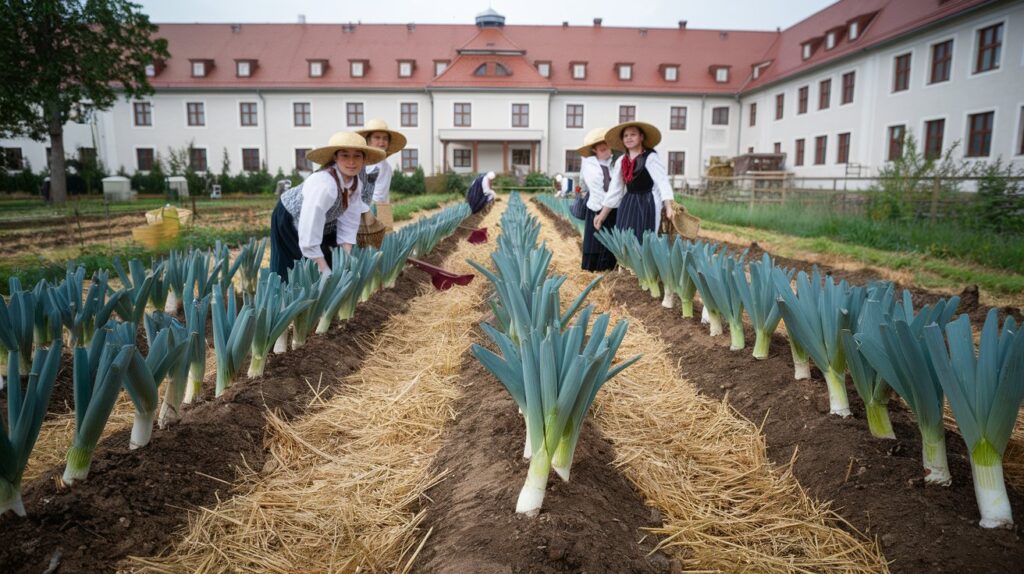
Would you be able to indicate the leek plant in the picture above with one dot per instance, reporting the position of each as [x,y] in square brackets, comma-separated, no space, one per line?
[896,349]
[718,277]
[161,287]
[553,377]
[226,270]
[143,376]
[276,306]
[702,261]
[175,272]
[98,374]
[249,261]
[868,382]
[19,317]
[233,331]
[815,315]
[362,268]
[138,285]
[680,282]
[195,320]
[42,334]
[177,376]
[658,250]
[200,276]
[758,297]
[25,411]
[985,393]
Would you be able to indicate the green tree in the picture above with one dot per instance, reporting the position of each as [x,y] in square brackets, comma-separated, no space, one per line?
[57,54]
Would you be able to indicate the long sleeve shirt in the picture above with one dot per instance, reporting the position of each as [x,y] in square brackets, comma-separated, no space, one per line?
[319,194]
[382,188]
[662,187]
[488,190]
[593,176]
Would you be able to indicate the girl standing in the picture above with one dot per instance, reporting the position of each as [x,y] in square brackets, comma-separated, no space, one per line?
[324,210]
[596,173]
[640,188]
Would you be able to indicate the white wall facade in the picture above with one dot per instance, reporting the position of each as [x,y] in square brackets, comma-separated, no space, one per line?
[876,106]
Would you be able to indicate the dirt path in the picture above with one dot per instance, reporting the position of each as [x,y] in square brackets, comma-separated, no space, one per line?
[875,485]
[134,501]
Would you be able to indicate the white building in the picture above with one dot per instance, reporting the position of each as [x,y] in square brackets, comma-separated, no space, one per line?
[834,89]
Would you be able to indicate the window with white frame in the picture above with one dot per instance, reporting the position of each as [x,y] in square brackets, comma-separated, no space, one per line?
[806,51]
[410,159]
[544,69]
[462,158]
[440,66]
[722,75]
[250,159]
[830,40]
[143,114]
[243,68]
[199,69]
[405,69]
[248,114]
[302,114]
[196,114]
[150,70]
[574,115]
[410,112]
[854,31]
[316,69]
[671,73]
[357,68]
[520,115]
[579,71]
[354,114]
[625,72]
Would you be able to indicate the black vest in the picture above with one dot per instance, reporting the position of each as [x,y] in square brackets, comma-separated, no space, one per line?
[642,181]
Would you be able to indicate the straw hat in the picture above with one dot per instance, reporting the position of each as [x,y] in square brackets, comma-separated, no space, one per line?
[652,135]
[345,140]
[594,137]
[397,141]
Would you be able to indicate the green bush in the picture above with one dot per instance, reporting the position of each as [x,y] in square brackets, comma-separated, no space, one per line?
[409,184]
[537,179]
[23,181]
[999,205]
[455,183]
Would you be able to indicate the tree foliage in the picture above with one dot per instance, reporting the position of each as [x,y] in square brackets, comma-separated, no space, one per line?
[60,54]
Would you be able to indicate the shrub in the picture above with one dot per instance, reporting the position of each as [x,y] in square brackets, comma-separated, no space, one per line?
[537,179]
[409,184]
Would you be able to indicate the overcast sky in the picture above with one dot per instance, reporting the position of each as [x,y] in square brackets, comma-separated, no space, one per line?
[717,14]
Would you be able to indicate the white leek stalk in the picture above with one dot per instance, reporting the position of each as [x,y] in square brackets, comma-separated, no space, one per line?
[668,301]
[531,497]
[990,488]
[172,303]
[281,346]
[933,456]
[801,362]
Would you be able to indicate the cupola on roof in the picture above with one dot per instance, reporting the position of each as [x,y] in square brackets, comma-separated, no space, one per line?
[489,18]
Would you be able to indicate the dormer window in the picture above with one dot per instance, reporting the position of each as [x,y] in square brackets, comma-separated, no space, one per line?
[579,70]
[357,68]
[721,74]
[317,68]
[201,68]
[854,30]
[807,50]
[155,68]
[440,66]
[625,72]
[670,73]
[544,69]
[492,69]
[830,40]
[405,68]
[244,68]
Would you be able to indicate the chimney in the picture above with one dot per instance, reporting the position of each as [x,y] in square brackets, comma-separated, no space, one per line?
[302,18]
[723,35]
[411,26]
[597,22]
[682,24]
[565,23]
[643,31]
[236,28]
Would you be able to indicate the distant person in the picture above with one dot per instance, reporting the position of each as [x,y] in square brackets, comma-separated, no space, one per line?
[480,193]
[323,211]
[595,173]
[640,188]
[44,190]
[564,186]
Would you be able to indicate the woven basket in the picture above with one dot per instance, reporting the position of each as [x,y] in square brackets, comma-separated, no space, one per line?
[157,234]
[686,225]
[371,232]
[157,215]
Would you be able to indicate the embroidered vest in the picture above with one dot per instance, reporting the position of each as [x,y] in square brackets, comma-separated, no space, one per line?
[642,180]
[292,201]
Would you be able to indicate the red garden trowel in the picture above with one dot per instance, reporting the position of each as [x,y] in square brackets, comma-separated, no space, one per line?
[441,279]
[476,236]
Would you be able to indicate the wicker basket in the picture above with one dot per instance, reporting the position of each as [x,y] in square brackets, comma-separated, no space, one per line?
[371,232]
[686,225]
[157,234]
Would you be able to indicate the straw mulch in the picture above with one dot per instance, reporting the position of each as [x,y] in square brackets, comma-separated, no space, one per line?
[338,492]
[726,506]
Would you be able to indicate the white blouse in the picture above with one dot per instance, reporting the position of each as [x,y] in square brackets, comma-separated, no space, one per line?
[382,189]
[662,187]
[593,177]
[319,192]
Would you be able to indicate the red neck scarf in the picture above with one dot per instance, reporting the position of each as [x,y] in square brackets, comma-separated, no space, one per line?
[628,165]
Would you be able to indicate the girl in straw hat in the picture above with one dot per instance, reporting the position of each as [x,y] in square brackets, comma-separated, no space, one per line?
[596,173]
[378,175]
[324,210]
[639,188]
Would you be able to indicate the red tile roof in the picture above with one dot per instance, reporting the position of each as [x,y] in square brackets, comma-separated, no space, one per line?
[892,18]
[283,52]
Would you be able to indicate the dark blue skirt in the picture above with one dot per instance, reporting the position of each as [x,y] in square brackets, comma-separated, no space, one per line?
[637,213]
[596,256]
[284,242]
